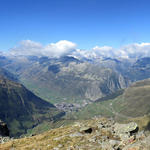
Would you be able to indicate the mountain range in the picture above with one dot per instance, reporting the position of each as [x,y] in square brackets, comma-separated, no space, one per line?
[67,78]
[73,80]
[32,86]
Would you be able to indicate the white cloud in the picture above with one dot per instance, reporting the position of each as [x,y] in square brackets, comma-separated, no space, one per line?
[95,52]
[136,50]
[64,47]
[28,47]
[105,51]
[60,48]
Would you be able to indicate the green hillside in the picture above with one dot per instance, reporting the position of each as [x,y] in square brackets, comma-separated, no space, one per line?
[133,102]
[21,109]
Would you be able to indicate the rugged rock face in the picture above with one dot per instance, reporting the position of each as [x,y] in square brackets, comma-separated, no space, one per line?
[3,129]
[72,79]
[66,78]
[94,134]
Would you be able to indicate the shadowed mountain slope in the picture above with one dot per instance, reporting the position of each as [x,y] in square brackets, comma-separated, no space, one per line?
[21,109]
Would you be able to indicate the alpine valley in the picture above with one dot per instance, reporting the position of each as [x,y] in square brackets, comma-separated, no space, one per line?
[39,93]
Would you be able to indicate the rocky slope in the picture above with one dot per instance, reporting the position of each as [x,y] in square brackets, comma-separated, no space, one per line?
[95,134]
[21,109]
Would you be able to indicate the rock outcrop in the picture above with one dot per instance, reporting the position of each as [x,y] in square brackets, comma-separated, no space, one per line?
[4,131]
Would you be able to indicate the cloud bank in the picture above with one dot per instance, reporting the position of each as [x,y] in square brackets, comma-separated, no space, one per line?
[28,47]
[64,47]
[134,50]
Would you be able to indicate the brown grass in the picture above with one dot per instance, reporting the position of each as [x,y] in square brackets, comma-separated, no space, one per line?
[52,139]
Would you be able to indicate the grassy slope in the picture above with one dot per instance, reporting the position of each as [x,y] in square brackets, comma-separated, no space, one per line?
[21,109]
[45,126]
[67,137]
[53,138]
[45,93]
[134,102]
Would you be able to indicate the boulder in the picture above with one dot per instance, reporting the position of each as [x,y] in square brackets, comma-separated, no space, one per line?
[129,128]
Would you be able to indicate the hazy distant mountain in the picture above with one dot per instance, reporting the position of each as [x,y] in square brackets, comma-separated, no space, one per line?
[66,78]
[6,74]
[70,79]
[140,69]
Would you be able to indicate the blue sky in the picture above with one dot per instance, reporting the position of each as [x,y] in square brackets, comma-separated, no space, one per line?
[85,22]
